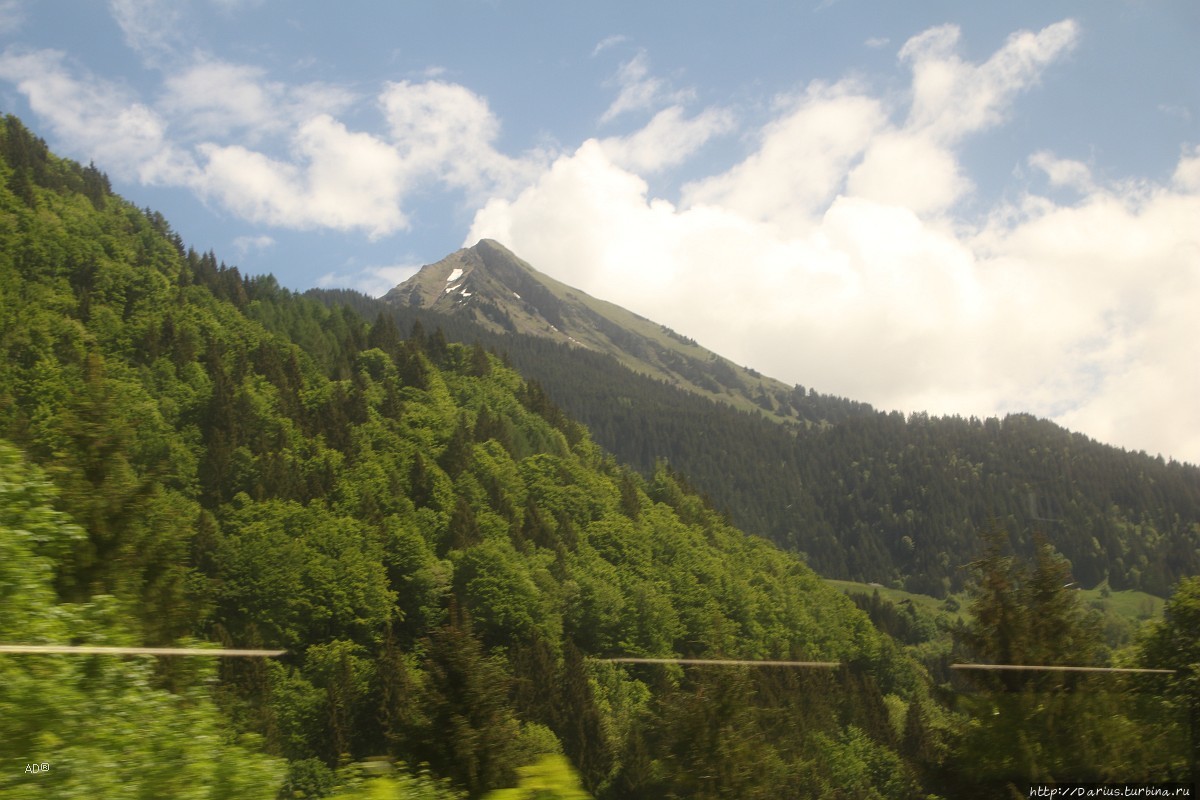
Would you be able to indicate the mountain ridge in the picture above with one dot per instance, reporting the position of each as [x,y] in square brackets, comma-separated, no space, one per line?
[492,286]
[863,494]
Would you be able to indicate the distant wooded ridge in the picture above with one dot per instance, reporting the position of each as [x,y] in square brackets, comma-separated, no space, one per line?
[866,495]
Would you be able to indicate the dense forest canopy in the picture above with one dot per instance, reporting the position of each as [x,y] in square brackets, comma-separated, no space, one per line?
[193,455]
[863,494]
[867,495]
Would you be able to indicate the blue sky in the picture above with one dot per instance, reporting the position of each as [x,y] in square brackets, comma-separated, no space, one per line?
[960,208]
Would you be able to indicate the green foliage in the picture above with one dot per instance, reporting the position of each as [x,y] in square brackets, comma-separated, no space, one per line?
[852,767]
[866,495]
[444,553]
[397,785]
[1037,726]
[1174,643]
[1027,614]
[98,721]
[549,778]
[471,733]
[301,574]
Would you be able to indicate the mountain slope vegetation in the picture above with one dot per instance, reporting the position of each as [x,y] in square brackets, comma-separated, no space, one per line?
[490,286]
[863,494]
[445,556]
[192,455]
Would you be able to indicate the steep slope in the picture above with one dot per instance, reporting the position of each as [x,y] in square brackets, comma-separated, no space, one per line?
[863,494]
[444,554]
[491,286]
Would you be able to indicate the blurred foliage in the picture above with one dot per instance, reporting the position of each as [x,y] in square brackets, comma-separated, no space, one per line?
[101,724]
[1043,725]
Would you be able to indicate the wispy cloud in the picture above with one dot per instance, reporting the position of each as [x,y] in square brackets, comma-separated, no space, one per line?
[244,245]
[953,98]
[272,153]
[374,281]
[153,29]
[213,98]
[640,91]
[1063,172]
[669,139]
[607,42]
[235,6]
[12,16]
[1179,112]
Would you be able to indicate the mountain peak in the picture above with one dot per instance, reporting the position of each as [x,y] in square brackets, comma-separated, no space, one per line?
[491,286]
[481,282]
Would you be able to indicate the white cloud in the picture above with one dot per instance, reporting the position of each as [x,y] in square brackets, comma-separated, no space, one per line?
[97,118]
[442,127]
[1187,173]
[374,281]
[802,160]
[952,98]
[607,42]
[339,179]
[1063,172]
[909,170]
[446,132]
[916,165]
[1112,284]
[248,244]
[271,153]
[12,16]
[213,98]
[831,256]
[345,180]
[639,91]
[668,139]
[153,29]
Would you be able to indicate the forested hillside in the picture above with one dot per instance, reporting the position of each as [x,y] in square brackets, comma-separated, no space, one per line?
[441,551]
[448,559]
[874,496]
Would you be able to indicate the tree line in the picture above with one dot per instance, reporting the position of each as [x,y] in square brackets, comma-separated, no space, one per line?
[867,495]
